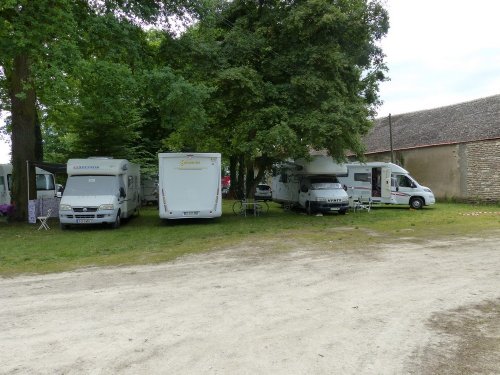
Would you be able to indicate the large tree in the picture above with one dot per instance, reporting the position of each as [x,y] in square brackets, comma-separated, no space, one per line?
[42,44]
[289,76]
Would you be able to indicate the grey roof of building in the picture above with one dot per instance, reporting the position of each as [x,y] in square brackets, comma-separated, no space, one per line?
[465,122]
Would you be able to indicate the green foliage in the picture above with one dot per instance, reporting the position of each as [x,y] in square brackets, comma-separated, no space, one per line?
[258,81]
[288,77]
[78,62]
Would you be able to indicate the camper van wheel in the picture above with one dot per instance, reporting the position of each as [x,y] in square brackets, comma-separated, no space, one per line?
[308,208]
[416,203]
[117,222]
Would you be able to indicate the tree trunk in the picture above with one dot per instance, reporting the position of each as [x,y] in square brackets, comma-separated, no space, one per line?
[252,179]
[233,164]
[241,177]
[38,138]
[23,109]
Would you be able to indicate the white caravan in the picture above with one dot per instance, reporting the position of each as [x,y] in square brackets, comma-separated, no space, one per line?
[385,183]
[45,184]
[100,190]
[190,185]
[312,185]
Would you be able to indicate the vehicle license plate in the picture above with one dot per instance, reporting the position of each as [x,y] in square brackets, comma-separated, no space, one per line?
[191,212]
[84,221]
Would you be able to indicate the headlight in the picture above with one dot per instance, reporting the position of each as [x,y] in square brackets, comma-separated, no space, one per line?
[106,207]
[320,199]
[64,207]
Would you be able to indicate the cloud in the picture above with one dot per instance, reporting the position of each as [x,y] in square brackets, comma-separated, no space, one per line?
[440,53]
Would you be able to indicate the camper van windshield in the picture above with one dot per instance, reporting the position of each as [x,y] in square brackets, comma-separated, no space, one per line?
[325,184]
[92,185]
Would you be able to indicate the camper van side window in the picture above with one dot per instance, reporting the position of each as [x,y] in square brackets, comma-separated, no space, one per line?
[362,177]
[121,183]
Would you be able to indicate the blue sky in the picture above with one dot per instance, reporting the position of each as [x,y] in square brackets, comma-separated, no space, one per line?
[439,52]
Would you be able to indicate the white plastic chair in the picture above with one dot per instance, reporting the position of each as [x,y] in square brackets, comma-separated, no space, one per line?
[43,220]
[362,204]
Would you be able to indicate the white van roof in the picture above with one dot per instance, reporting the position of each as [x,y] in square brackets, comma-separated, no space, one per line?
[97,166]
[320,165]
[378,164]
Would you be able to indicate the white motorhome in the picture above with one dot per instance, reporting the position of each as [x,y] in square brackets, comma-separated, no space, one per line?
[387,183]
[100,190]
[190,185]
[312,185]
[45,184]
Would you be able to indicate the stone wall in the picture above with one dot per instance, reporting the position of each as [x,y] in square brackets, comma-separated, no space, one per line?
[483,171]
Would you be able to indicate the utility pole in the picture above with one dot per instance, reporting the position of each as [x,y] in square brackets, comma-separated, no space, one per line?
[390,138]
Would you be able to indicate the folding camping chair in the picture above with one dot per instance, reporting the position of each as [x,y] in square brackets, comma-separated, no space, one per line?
[363,204]
[43,220]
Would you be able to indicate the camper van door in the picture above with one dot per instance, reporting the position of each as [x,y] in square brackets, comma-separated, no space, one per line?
[386,183]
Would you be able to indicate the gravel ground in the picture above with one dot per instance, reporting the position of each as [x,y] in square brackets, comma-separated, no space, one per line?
[411,308]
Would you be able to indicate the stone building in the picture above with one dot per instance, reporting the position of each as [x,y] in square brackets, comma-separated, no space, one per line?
[455,150]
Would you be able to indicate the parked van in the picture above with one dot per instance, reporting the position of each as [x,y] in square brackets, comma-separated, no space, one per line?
[45,184]
[311,185]
[100,190]
[149,190]
[190,185]
[385,183]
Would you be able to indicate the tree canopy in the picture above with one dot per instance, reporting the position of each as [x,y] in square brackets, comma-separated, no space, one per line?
[259,81]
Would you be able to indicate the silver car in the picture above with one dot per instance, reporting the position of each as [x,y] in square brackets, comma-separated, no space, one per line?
[263,192]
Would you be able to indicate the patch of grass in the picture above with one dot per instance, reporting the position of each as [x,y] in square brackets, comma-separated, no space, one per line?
[147,239]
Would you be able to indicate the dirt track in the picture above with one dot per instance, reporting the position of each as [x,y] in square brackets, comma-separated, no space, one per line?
[406,309]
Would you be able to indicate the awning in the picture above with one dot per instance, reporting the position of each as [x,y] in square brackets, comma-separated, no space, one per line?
[55,168]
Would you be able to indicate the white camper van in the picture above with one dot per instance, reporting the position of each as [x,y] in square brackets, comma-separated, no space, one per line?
[385,183]
[190,185]
[45,184]
[100,190]
[312,185]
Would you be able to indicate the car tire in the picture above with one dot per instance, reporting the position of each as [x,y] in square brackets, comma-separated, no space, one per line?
[117,222]
[416,203]
[309,210]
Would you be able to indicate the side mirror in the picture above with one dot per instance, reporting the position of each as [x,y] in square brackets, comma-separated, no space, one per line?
[122,193]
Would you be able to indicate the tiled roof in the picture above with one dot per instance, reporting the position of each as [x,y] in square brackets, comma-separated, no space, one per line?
[465,122]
